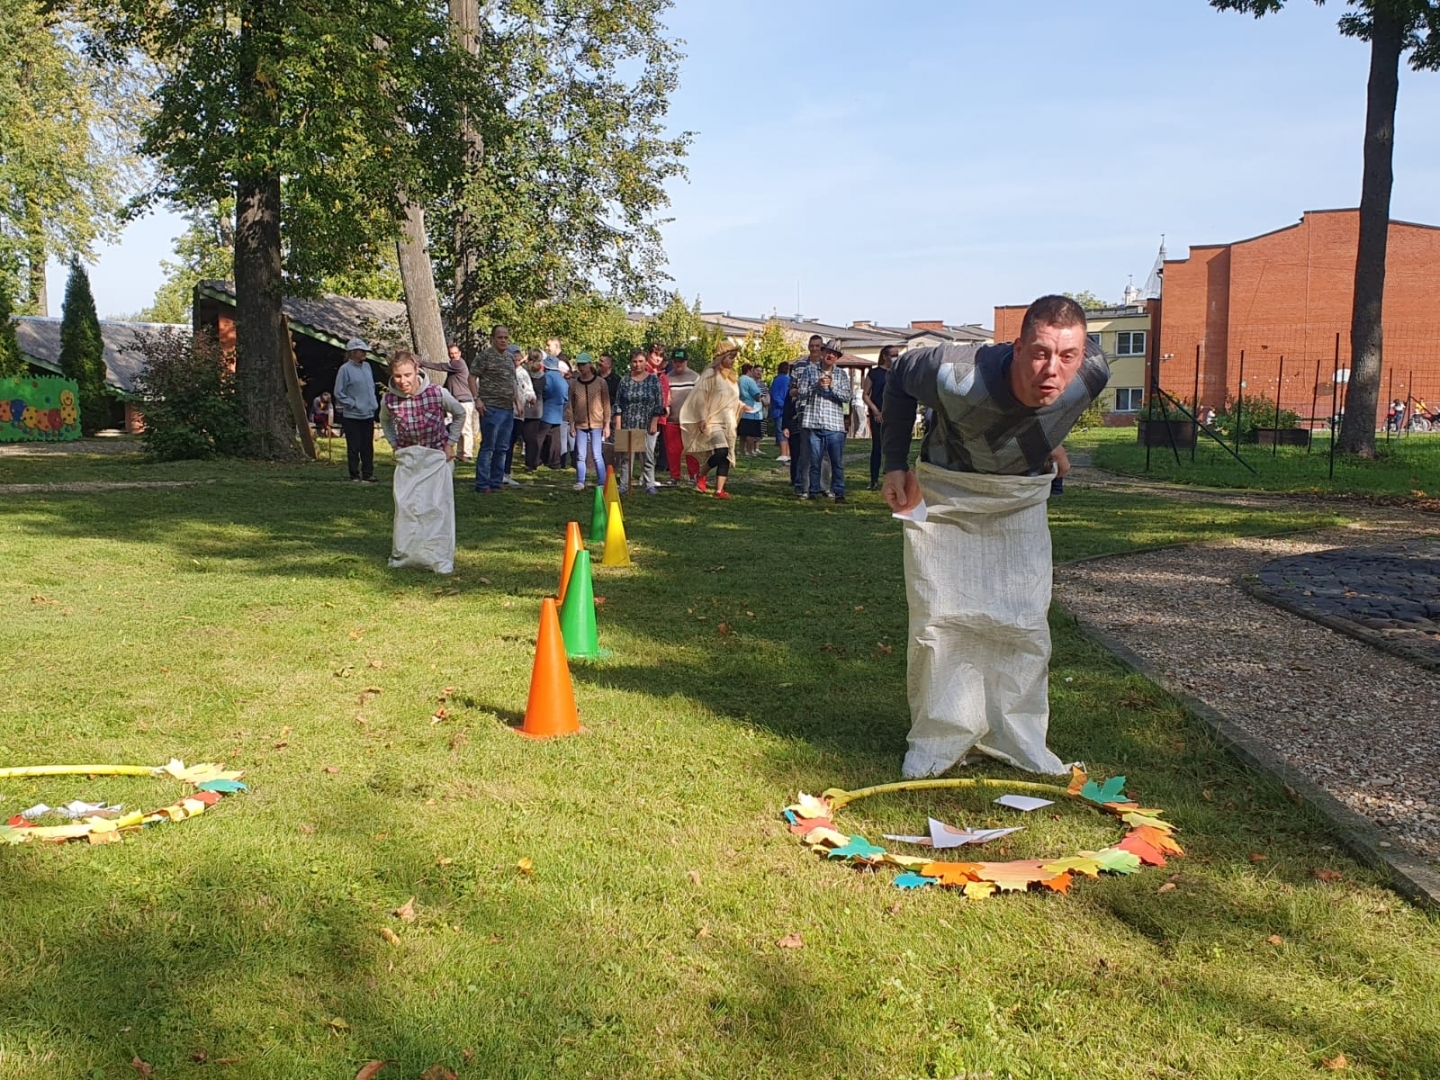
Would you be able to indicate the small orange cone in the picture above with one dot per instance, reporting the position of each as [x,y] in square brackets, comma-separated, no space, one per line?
[573,545]
[551,709]
[617,550]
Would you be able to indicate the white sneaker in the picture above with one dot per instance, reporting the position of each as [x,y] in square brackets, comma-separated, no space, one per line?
[511,483]
[784,457]
[579,486]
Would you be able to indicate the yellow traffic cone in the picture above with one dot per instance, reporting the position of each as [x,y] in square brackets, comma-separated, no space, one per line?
[612,491]
[617,551]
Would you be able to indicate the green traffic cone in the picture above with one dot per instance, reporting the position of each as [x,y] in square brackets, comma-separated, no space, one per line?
[599,518]
[577,615]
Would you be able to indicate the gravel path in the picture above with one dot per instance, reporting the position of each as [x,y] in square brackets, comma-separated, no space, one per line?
[1362,724]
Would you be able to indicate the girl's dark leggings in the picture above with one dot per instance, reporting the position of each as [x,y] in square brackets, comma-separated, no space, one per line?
[719,461]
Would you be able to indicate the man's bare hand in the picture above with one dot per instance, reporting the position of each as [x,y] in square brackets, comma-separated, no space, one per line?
[1061,460]
[450,451]
[901,490]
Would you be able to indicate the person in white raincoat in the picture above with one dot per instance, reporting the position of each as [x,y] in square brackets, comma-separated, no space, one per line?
[977,544]
[422,423]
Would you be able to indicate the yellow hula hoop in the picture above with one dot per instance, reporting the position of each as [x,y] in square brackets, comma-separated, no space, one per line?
[79,770]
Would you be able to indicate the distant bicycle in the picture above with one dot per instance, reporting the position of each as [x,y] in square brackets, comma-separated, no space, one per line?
[1419,424]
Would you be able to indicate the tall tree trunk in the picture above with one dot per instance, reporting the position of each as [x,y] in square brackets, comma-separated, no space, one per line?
[1357,434]
[465,15]
[261,343]
[422,305]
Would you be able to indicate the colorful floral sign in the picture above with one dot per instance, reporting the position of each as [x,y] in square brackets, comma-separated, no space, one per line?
[39,409]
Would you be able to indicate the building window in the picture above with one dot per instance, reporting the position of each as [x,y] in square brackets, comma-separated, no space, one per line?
[1129,399]
[1130,343]
[1094,339]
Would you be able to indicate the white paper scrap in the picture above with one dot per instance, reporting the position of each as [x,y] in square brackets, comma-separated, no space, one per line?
[923,841]
[917,513]
[38,810]
[1023,802]
[78,809]
[947,836]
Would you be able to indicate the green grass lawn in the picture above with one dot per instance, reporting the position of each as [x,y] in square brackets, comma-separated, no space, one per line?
[1403,465]
[252,620]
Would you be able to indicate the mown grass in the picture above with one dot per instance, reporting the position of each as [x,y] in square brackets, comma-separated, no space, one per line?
[246,619]
[1403,466]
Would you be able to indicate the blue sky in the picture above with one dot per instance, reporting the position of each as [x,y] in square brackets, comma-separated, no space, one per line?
[922,160]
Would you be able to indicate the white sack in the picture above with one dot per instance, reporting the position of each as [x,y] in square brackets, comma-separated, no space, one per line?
[977,577]
[424,511]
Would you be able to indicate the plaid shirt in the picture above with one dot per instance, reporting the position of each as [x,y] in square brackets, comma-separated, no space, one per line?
[638,402]
[821,408]
[419,420]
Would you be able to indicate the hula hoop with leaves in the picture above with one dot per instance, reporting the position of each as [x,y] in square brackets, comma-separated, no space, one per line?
[1148,838]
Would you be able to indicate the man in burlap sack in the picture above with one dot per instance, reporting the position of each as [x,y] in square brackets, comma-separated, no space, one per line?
[977,544]
[422,423]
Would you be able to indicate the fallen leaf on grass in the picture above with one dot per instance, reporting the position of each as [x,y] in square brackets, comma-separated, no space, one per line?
[1256,857]
[525,865]
[694,876]
[1337,1062]
[599,601]
[438,1072]
[485,581]
[390,935]
[792,941]
[282,744]
[440,715]
[1327,876]
[337,1023]
[1275,939]
[370,1069]
[406,911]
[1169,886]
[332,769]
[494,939]
[200,1057]
[307,828]
[144,1068]
[724,628]
[377,663]
[468,1054]
[444,860]
[38,599]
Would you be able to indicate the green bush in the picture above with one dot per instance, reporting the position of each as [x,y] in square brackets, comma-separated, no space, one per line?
[192,408]
[1257,411]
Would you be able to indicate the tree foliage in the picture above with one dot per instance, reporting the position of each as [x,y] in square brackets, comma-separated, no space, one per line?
[67,127]
[1393,28]
[773,346]
[11,362]
[1088,300]
[192,406]
[565,197]
[82,350]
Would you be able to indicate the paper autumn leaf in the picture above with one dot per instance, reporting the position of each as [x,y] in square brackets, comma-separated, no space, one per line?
[1116,861]
[1138,820]
[1077,780]
[371,1069]
[1146,852]
[800,826]
[909,861]
[979,890]
[909,880]
[1078,864]
[223,784]
[438,1072]
[406,911]
[1113,790]
[792,941]
[1327,876]
[857,848]
[1059,883]
[809,806]
[1016,876]
[144,1068]
[1159,839]
[951,873]
[823,837]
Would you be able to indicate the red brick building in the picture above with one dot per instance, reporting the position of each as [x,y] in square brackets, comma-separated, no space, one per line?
[1287,294]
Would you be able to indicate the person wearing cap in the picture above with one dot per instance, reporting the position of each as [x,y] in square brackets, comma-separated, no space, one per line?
[801,371]
[355,394]
[457,385]
[682,379]
[822,392]
[709,418]
[588,414]
[492,382]
[977,542]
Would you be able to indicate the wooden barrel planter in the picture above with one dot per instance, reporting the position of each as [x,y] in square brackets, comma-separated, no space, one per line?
[1163,432]
[1269,436]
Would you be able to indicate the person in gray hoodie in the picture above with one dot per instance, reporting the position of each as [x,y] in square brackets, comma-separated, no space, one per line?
[355,394]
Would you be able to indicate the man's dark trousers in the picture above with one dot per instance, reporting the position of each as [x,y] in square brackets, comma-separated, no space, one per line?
[359,446]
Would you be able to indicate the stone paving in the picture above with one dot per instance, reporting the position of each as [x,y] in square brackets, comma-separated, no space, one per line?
[1389,595]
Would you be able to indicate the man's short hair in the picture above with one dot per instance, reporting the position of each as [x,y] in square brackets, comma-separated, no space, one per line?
[1058,311]
[816,337]
[784,368]
[497,328]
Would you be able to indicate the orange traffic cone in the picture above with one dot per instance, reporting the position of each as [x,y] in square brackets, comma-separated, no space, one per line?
[573,545]
[551,709]
[617,551]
